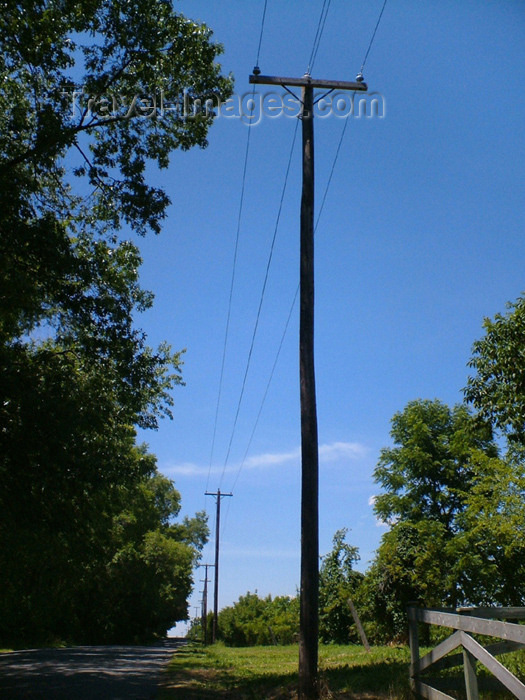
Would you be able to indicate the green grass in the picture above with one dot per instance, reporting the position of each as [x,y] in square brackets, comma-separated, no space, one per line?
[270,673]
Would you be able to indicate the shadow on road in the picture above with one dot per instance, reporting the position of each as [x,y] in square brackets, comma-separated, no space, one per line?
[85,673]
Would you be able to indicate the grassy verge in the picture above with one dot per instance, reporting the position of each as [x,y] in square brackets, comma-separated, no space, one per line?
[270,673]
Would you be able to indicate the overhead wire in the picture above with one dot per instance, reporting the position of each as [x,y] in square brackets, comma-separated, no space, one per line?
[234,267]
[272,372]
[316,43]
[320,28]
[318,34]
[228,317]
[261,33]
[341,138]
[261,299]
[313,55]
[373,35]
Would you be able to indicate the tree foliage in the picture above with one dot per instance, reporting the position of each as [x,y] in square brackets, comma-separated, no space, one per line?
[409,566]
[121,573]
[452,504]
[77,376]
[338,582]
[424,476]
[497,390]
[255,621]
[491,534]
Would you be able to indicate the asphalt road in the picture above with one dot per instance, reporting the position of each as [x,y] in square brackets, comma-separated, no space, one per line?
[85,673]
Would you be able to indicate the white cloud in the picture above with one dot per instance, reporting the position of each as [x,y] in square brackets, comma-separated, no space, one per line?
[192,469]
[333,452]
[381,523]
[272,459]
[342,450]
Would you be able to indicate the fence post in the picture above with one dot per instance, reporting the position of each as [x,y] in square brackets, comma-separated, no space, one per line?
[358,624]
[469,667]
[471,681]
[413,639]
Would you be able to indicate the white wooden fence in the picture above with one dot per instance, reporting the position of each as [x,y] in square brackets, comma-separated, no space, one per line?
[466,621]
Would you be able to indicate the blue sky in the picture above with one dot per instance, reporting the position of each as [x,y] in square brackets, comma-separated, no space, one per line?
[421,236]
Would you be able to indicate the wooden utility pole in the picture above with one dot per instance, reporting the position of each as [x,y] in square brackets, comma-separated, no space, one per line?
[218,496]
[205,604]
[309,605]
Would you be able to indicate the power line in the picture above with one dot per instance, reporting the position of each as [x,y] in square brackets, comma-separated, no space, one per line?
[261,34]
[263,290]
[289,318]
[317,38]
[318,34]
[315,47]
[338,149]
[373,35]
[232,284]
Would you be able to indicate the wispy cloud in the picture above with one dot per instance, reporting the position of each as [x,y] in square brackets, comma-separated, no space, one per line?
[381,523]
[270,459]
[328,453]
[342,450]
[188,469]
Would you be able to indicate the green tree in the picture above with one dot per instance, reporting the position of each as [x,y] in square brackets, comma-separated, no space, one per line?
[77,377]
[410,565]
[259,621]
[61,260]
[124,573]
[149,560]
[491,537]
[338,582]
[435,552]
[497,390]
[425,475]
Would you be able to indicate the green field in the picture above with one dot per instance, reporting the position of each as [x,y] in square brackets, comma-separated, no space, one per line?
[270,673]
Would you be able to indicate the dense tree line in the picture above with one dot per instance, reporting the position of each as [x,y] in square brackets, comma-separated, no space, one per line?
[259,621]
[89,546]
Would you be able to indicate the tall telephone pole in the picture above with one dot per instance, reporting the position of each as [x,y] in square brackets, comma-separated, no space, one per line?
[309,605]
[205,604]
[218,496]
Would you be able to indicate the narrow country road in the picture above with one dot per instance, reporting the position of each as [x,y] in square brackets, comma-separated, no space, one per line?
[85,673]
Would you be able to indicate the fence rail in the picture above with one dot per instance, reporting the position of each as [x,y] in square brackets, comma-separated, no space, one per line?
[466,621]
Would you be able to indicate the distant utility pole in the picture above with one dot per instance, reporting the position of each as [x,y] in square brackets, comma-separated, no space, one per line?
[309,615]
[205,604]
[218,496]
